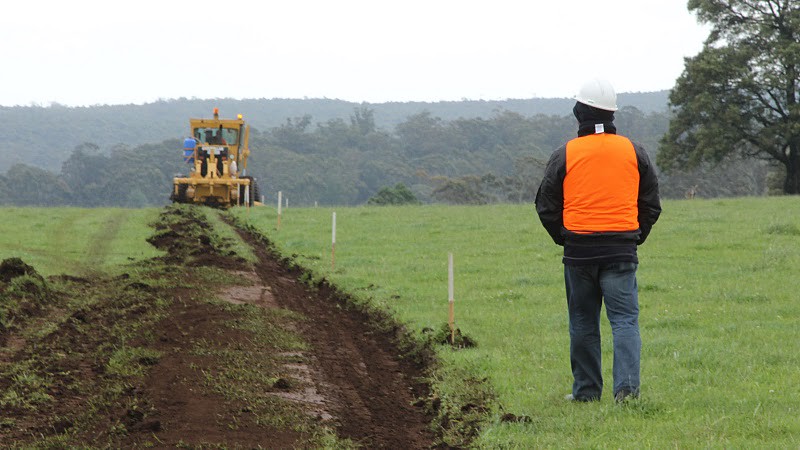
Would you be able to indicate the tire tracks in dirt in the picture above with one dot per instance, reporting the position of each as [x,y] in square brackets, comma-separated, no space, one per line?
[100,243]
[365,385]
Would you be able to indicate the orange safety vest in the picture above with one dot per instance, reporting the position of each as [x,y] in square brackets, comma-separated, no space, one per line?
[601,186]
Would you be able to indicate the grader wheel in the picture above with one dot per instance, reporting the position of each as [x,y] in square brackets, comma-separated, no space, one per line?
[180,197]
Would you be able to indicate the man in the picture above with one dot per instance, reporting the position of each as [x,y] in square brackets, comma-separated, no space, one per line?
[189,145]
[233,169]
[219,138]
[599,199]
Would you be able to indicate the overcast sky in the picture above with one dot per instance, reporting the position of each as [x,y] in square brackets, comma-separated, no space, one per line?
[87,52]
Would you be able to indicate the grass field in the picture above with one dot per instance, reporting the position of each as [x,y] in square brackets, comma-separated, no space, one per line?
[719,315]
[76,241]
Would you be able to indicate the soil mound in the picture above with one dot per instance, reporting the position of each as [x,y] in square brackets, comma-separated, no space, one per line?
[14,267]
[23,294]
[184,233]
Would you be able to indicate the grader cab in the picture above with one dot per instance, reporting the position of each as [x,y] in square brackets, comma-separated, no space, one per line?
[217,154]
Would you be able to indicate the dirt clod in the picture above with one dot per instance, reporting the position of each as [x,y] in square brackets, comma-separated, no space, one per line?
[14,267]
[513,418]
[455,339]
[282,383]
[149,426]
[62,425]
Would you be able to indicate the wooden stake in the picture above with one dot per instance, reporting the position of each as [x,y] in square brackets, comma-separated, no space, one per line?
[238,190]
[247,201]
[279,210]
[451,299]
[333,242]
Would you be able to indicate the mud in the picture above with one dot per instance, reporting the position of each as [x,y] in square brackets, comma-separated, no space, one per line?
[357,372]
[179,410]
[355,376]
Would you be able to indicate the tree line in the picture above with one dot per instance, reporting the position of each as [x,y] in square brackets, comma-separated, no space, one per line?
[348,162]
[44,136]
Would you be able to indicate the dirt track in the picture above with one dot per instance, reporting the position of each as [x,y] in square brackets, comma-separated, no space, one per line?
[349,378]
[357,372]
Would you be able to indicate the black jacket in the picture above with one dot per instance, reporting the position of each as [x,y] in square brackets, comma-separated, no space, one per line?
[550,203]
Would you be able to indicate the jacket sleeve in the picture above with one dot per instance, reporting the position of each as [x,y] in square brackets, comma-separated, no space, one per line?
[550,196]
[649,202]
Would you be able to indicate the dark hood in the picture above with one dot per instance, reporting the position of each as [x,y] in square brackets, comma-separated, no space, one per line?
[589,116]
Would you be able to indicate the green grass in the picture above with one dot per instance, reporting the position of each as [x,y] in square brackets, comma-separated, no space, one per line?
[719,315]
[228,236]
[76,241]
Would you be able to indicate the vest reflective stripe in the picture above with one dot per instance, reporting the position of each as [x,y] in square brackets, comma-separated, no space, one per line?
[601,186]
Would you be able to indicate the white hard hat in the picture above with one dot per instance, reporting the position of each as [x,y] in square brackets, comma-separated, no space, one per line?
[598,93]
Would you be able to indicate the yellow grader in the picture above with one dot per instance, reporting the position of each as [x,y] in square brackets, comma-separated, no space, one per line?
[217,152]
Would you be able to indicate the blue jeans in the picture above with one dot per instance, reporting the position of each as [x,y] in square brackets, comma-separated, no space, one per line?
[587,288]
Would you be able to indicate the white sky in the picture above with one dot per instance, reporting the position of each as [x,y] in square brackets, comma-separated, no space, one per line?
[89,52]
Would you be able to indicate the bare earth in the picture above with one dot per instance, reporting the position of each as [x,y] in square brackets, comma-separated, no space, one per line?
[350,379]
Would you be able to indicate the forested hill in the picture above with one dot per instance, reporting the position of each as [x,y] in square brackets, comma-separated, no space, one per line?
[325,152]
[45,137]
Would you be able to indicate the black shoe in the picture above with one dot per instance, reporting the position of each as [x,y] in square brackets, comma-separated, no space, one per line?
[624,395]
[571,398]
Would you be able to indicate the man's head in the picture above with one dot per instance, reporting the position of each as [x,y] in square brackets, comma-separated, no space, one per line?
[598,93]
[596,102]
[588,114]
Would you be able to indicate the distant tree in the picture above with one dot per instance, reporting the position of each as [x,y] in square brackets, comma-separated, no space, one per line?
[293,135]
[741,93]
[363,120]
[5,195]
[31,186]
[375,173]
[136,199]
[521,186]
[466,190]
[143,175]
[86,172]
[140,176]
[398,195]
[733,177]
[423,134]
